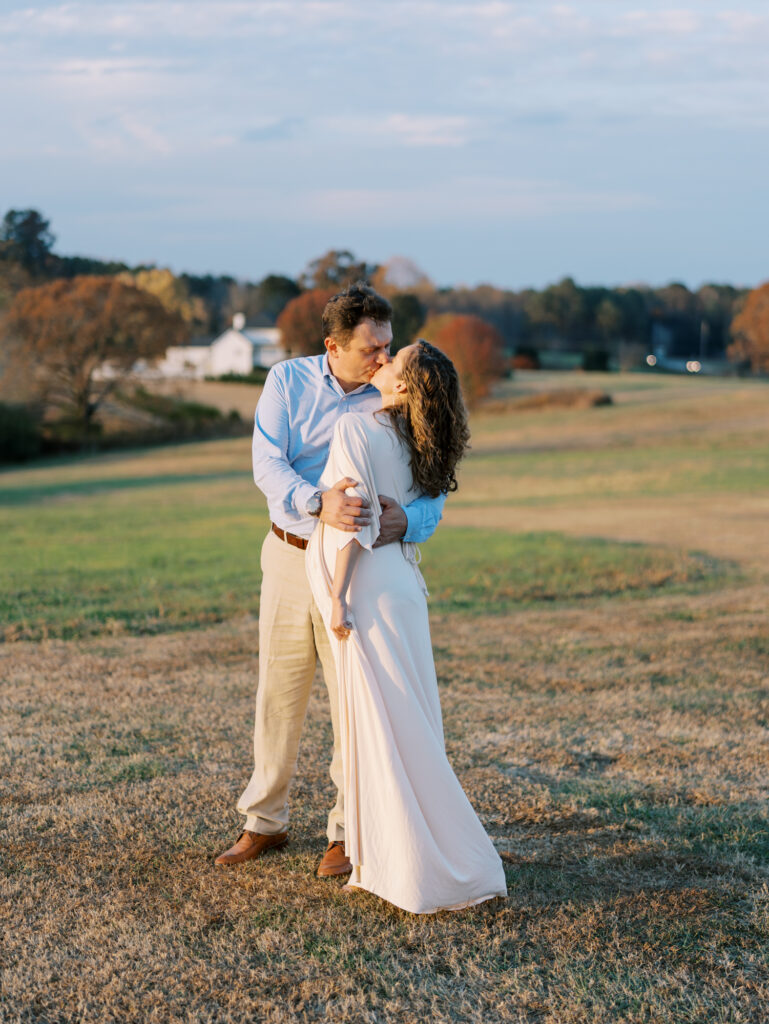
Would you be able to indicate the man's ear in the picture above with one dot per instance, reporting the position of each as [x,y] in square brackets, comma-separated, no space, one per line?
[331,345]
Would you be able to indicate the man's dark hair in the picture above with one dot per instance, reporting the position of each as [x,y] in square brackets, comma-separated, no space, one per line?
[343,312]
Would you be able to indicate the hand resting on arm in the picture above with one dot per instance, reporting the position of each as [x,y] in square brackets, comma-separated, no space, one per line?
[344,511]
[393,522]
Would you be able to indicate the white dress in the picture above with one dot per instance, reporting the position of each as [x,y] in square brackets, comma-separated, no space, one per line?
[410,831]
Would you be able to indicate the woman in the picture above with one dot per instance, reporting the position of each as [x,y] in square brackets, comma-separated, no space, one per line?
[410,831]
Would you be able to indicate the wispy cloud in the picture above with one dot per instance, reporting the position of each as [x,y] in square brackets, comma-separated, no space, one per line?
[400,130]
[132,132]
[416,130]
[468,197]
[334,114]
[274,129]
[497,23]
[96,70]
[190,19]
[592,56]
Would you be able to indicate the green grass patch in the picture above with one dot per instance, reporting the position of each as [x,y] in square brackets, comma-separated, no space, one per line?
[153,543]
[484,571]
[152,561]
[141,561]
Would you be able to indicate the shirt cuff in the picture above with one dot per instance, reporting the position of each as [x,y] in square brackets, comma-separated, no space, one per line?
[301,496]
[413,522]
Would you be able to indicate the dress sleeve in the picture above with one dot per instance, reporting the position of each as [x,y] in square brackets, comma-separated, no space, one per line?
[350,455]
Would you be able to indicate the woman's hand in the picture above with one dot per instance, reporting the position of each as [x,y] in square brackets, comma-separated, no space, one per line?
[340,618]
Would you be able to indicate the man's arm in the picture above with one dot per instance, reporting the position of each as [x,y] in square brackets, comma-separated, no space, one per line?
[276,477]
[273,474]
[416,522]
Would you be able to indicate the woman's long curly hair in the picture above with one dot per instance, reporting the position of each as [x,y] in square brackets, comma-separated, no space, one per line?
[432,422]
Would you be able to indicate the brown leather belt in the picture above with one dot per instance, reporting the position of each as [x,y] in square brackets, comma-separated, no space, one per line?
[289,538]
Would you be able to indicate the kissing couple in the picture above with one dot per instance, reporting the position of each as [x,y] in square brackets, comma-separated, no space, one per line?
[355,452]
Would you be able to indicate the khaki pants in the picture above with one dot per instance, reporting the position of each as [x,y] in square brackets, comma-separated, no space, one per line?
[291,638]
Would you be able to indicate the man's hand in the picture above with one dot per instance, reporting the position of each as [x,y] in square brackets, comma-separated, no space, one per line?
[392,521]
[344,511]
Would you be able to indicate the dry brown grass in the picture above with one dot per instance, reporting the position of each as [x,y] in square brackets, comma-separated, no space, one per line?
[225,395]
[618,756]
[735,531]
[616,749]
[561,398]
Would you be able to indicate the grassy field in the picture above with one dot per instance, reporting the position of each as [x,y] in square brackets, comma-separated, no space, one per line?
[599,590]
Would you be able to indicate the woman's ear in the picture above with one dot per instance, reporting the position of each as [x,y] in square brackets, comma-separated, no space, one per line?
[400,387]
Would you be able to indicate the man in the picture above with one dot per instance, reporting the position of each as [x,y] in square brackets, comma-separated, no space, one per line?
[294,424]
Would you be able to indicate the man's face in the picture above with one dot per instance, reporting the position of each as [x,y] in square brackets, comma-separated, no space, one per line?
[369,348]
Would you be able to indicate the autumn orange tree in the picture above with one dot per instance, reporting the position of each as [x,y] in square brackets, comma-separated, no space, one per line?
[474,347]
[83,336]
[300,323]
[750,330]
[172,291]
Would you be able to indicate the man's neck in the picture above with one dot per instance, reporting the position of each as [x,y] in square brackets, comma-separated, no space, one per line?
[346,385]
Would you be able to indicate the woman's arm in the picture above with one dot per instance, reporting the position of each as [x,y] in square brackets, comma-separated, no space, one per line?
[346,559]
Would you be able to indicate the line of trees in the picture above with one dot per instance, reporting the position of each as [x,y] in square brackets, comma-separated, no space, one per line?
[564,316]
[63,319]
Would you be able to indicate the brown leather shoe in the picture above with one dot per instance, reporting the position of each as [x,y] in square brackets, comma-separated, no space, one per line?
[250,845]
[335,861]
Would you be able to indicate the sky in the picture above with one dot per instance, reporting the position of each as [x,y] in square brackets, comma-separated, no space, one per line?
[512,143]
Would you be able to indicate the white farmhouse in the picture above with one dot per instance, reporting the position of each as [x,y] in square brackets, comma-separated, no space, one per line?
[238,350]
[180,361]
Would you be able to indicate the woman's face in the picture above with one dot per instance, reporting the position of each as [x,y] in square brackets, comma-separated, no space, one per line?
[389,376]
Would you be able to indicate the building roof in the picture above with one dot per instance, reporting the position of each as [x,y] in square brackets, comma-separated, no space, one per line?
[261,335]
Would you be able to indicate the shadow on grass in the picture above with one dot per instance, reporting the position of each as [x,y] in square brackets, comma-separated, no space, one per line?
[32,494]
[620,919]
[596,830]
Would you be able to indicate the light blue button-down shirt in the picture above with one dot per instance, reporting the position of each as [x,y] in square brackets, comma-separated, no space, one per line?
[293,427]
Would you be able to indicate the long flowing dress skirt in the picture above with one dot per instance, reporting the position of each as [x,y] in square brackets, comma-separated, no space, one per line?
[410,831]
